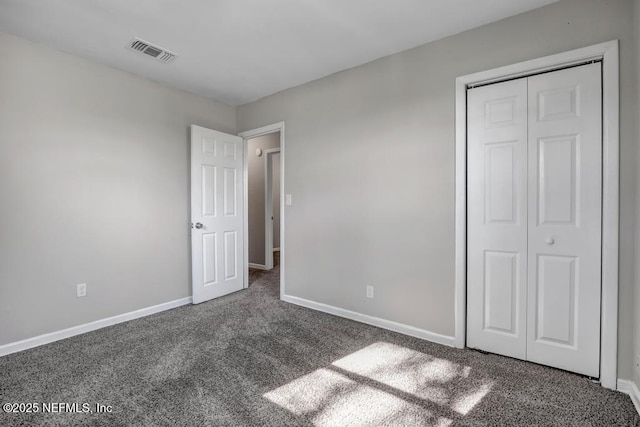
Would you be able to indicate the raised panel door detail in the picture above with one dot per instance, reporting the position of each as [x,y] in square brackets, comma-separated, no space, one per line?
[557,180]
[500,291]
[210,258]
[500,182]
[217,214]
[500,112]
[229,150]
[497,217]
[565,219]
[230,261]
[559,104]
[557,286]
[209,190]
[230,189]
[209,146]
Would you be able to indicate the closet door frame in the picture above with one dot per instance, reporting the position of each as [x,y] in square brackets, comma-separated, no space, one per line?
[608,54]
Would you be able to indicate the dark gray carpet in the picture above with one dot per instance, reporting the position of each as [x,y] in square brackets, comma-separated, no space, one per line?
[250,360]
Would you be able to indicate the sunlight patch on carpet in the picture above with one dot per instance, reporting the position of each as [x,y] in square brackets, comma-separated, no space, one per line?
[381,384]
[330,399]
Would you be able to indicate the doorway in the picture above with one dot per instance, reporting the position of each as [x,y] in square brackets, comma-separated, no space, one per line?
[262,151]
[265,206]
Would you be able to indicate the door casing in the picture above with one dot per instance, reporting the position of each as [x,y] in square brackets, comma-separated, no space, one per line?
[607,53]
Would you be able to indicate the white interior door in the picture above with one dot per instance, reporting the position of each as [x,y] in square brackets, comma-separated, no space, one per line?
[217,213]
[497,218]
[534,218]
[565,225]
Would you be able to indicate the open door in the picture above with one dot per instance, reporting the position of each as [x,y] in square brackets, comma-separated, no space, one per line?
[217,213]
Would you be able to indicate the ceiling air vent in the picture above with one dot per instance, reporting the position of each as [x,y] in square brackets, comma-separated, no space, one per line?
[162,55]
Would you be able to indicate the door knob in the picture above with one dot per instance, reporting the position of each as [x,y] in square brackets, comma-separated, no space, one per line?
[199,225]
[550,241]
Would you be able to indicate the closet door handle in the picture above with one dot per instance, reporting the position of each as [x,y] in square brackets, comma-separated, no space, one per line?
[550,240]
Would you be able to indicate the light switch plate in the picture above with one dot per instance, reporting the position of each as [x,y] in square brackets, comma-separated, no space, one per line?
[287,200]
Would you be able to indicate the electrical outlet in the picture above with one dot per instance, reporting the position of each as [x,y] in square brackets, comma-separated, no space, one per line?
[81,290]
[369,291]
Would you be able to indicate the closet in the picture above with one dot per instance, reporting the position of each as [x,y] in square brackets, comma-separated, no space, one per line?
[534,218]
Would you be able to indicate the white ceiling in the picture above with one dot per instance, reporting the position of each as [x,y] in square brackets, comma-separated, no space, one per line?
[237,51]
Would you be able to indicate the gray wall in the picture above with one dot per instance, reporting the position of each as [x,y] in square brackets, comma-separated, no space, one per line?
[636,361]
[256,194]
[276,200]
[370,165]
[94,187]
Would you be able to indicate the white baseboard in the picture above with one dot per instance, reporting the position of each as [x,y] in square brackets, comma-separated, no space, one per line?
[370,320]
[276,249]
[257,266]
[630,388]
[17,346]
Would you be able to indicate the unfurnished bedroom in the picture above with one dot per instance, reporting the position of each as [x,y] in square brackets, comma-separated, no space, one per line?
[320,213]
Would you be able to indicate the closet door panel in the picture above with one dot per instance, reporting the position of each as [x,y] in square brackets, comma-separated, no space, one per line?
[497,218]
[564,219]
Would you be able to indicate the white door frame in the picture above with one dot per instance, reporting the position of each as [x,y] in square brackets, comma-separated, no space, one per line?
[268,206]
[247,135]
[608,54]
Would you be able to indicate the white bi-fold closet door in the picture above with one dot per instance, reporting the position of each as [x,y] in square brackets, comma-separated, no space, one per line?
[535,218]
